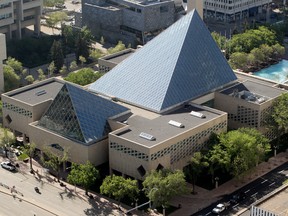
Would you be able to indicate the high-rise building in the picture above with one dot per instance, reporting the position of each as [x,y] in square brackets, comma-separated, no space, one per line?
[231,10]
[17,14]
[2,57]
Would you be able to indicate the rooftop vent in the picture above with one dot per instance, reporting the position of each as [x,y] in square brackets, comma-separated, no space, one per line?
[197,114]
[176,124]
[147,136]
[40,92]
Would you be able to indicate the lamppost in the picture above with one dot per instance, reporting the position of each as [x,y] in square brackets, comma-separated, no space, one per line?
[216,182]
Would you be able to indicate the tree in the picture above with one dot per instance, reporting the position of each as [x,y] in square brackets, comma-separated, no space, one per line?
[83,77]
[245,145]
[82,59]
[259,56]
[56,55]
[238,60]
[95,54]
[196,165]
[162,185]
[7,139]
[41,75]
[218,159]
[102,41]
[280,113]
[29,79]
[11,79]
[73,66]
[84,175]
[53,160]
[15,64]
[51,69]
[119,47]
[29,149]
[278,51]
[83,43]
[119,187]
[56,17]
[63,70]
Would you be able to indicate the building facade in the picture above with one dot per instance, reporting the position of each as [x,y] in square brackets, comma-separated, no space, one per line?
[3,56]
[233,10]
[128,21]
[15,15]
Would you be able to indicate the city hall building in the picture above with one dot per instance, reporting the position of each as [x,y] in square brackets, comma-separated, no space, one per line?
[151,111]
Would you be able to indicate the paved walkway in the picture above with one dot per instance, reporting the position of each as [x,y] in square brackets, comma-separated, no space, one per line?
[193,203]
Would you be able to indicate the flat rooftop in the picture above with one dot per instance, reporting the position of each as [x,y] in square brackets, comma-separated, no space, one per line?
[159,127]
[117,58]
[259,89]
[35,94]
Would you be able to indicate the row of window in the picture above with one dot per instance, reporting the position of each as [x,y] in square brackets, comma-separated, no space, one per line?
[5,16]
[17,109]
[129,151]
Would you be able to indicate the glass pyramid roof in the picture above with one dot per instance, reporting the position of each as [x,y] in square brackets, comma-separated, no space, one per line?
[80,115]
[180,64]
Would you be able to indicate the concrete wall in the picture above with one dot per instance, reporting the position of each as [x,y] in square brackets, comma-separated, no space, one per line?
[78,153]
[125,156]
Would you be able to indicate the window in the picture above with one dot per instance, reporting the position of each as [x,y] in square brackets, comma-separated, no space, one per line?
[8,118]
[141,170]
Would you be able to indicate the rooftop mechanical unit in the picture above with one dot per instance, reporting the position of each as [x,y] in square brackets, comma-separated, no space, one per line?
[176,124]
[147,136]
[197,114]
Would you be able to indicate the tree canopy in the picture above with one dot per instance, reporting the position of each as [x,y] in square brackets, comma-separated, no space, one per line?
[160,186]
[83,77]
[119,187]
[83,174]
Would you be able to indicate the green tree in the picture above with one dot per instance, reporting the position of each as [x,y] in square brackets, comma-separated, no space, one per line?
[278,51]
[102,41]
[259,56]
[280,112]
[29,149]
[63,70]
[82,59]
[220,40]
[83,77]
[238,60]
[11,79]
[29,79]
[56,55]
[83,43]
[84,175]
[51,69]
[55,18]
[41,75]
[73,66]
[53,160]
[196,165]
[119,47]
[119,187]
[162,185]
[7,139]
[95,54]
[15,64]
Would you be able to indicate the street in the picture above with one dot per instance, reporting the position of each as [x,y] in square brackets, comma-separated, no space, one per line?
[253,191]
[51,200]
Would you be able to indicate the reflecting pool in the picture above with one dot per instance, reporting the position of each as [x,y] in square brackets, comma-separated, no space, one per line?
[277,72]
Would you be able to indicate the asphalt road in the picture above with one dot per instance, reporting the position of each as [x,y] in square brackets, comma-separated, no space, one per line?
[253,191]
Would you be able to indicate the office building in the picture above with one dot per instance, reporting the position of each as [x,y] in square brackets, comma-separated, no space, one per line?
[15,15]
[2,58]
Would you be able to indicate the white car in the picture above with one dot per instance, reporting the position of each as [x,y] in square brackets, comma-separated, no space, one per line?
[8,165]
[219,208]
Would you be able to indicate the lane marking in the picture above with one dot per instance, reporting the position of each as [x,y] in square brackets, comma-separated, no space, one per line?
[264,181]
[272,184]
[247,191]
[281,171]
[254,194]
[208,213]
[235,205]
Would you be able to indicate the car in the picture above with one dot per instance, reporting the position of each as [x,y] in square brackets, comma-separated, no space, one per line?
[62,6]
[237,198]
[219,208]
[8,165]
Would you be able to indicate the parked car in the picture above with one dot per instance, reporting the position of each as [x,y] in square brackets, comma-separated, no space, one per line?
[219,208]
[8,165]
[237,198]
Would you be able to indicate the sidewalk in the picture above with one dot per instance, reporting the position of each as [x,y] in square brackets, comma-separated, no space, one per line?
[193,203]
